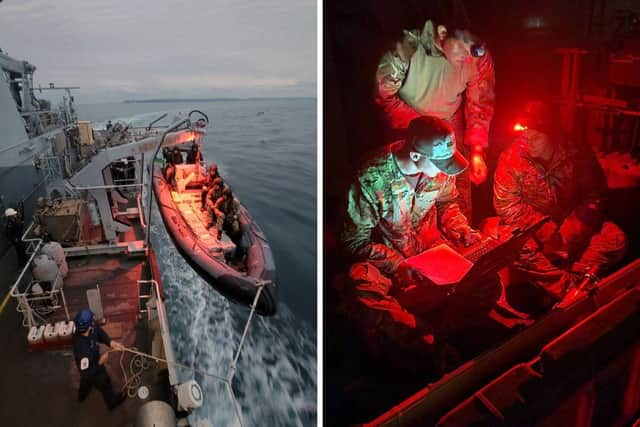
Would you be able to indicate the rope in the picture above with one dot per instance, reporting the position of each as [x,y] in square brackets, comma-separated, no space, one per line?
[159,359]
[137,365]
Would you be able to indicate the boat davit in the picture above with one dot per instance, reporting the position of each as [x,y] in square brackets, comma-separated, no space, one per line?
[236,268]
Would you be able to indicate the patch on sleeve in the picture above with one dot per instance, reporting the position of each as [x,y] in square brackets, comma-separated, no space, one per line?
[84,363]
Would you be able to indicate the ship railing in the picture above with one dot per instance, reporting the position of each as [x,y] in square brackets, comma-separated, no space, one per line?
[158,308]
[34,306]
[143,224]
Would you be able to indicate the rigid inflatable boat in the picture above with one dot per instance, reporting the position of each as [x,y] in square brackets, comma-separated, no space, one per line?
[236,268]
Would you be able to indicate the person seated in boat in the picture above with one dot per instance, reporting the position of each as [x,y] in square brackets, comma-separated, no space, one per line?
[166,154]
[213,194]
[208,182]
[402,203]
[193,155]
[226,210]
[170,174]
[545,173]
[169,168]
[176,156]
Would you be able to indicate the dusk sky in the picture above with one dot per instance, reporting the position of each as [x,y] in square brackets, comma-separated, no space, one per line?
[137,49]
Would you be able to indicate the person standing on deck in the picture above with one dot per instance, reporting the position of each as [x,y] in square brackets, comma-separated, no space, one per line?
[13,232]
[90,363]
[449,76]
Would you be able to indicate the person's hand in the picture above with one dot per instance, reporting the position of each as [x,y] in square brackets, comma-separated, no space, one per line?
[464,236]
[103,358]
[572,295]
[116,345]
[478,170]
[378,252]
[405,275]
[555,247]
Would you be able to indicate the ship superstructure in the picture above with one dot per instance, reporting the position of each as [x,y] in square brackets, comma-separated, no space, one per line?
[89,191]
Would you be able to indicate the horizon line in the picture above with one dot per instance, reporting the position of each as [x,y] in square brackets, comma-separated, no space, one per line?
[217,99]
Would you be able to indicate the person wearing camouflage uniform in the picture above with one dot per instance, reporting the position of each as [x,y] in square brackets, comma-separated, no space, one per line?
[212,174]
[543,173]
[427,75]
[213,194]
[401,204]
[227,211]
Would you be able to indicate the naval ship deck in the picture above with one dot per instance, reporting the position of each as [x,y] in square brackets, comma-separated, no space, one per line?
[39,388]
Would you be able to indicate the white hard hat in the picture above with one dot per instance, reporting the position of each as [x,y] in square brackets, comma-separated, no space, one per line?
[10,212]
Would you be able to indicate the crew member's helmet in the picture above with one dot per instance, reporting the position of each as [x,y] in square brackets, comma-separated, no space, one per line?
[83,320]
[10,212]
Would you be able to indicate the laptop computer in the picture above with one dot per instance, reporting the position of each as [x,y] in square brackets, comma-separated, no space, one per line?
[447,269]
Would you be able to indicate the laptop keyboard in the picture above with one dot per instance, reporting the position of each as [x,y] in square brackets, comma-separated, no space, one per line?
[476,251]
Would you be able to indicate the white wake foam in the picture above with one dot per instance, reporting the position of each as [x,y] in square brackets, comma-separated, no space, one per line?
[275,381]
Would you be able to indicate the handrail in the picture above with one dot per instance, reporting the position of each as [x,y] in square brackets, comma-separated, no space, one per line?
[26,266]
[140,211]
[21,297]
[157,120]
[164,328]
[105,187]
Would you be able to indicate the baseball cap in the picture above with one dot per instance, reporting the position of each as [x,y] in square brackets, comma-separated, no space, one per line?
[434,138]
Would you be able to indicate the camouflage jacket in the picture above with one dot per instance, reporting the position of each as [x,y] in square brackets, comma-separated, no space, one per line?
[388,220]
[571,185]
[416,80]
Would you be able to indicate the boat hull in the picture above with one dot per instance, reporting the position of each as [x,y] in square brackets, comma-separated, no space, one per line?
[238,286]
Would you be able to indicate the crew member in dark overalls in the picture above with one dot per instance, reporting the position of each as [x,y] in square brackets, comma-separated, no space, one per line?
[13,232]
[86,353]
[174,157]
[193,155]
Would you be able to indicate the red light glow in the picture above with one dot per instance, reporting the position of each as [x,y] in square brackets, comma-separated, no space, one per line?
[518,127]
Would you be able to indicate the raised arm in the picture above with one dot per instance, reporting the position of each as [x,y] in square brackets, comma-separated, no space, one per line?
[390,76]
[480,103]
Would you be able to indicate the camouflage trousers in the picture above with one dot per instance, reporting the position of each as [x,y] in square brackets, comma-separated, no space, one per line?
[380,318]
[603,249]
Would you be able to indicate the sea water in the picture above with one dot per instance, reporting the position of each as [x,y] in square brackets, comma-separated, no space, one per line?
[266,151]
